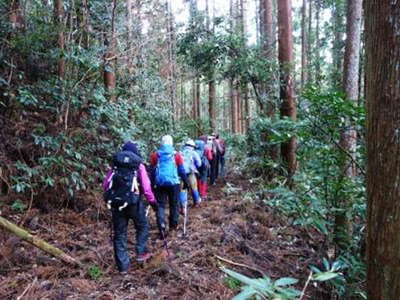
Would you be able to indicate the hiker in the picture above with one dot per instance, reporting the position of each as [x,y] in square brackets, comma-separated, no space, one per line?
[205,156]
[191,162]
[124,186]
[214,161]
[220,145]
[168,169]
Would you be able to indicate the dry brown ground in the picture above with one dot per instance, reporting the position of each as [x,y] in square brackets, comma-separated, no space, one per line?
[226,225]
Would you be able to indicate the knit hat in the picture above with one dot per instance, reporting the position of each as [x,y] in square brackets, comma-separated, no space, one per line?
[131,146]
[167,140]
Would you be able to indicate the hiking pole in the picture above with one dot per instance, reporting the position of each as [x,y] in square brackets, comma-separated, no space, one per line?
[184,218]
[147,210]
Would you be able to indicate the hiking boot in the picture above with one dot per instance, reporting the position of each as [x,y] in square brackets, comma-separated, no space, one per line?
[143,257]
[123,273]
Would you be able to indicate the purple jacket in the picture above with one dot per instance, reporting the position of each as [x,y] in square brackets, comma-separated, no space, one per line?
[144,183]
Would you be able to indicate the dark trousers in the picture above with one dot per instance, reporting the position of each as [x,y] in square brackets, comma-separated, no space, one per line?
[170,194]
[214,168]
[222,166]
[120,221]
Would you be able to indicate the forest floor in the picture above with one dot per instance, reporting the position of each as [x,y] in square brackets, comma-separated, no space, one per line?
[225,229]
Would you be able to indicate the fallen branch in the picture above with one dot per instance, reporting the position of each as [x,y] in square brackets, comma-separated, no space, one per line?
[240,265]
[37,242]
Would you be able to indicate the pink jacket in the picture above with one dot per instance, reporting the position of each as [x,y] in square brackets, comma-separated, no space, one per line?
[144,183]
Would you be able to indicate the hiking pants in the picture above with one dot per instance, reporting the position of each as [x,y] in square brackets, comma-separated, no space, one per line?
[202,183]
[120,220]
[214,169]
[170,194]
[192,179]
[222,165]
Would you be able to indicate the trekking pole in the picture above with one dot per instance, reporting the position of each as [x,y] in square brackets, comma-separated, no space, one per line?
[147,211]
[184,218]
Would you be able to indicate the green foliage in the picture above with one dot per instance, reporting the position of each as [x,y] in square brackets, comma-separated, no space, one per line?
[95,272]
[18,206]
[232,283]
[264,287]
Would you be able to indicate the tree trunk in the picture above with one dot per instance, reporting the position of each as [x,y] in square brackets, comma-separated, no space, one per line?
[232,96]
[288,106]
[303,44]
[211,104]
[337,50]
[15,15]
[348,137]
[129,44]
[59,15]
[37,242]
[110,59]
[317,44]
[382,26]
[310,44]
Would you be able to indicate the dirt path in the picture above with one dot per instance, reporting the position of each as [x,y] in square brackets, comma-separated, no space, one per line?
[225,226]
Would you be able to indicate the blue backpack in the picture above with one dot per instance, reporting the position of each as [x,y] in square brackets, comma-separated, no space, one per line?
[187,156]
[166,173]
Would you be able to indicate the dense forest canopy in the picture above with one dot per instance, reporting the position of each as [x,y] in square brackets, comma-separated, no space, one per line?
[305,94]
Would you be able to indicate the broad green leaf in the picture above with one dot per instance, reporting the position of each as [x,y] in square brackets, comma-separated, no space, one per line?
[285,281]
[324,276]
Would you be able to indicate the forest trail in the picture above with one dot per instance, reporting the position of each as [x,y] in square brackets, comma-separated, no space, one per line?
[226,226]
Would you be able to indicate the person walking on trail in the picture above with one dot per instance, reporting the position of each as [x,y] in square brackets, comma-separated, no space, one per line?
[214,162]
[168,169]
[220,146]
[205,156]
[191,163]
[124,185]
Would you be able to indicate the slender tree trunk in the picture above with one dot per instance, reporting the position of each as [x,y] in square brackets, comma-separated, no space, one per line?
[15,15]
[211,104]
[317,44]
[288,106]
[129,25]
[194,100]
[348,137]
[59,15]
[110,59]
[303,44]
[382,47]
[232,96]
[337,51]
[310,44]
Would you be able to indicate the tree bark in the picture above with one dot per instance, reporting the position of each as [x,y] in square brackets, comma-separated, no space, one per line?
[337,50]
[317,44]
[348,137]
[37,242]
[304,44]
[382,32]
[288,106]
[211,104]
[59,15]
[110,59]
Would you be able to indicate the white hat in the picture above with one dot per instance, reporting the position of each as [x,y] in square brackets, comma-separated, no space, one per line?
[167,140]
[190,143]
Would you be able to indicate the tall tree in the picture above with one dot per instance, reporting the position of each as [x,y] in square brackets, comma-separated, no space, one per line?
[338,10]
[348,136]
[382,28]
[211,80]
[304,44]
[288,102]
[59,15]
[110,57]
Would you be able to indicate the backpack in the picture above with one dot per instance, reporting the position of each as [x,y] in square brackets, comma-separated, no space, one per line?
[187,156]
[123,188]
[166,173]
[220,146]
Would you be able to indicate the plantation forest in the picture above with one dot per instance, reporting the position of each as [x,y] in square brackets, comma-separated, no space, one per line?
[200,149]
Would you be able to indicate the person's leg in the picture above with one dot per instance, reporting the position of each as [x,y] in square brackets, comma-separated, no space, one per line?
[120,226]
[173,195]
[193,186]
[161,195]
[222,165]
[138,215]
[217,166]
[212,171]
